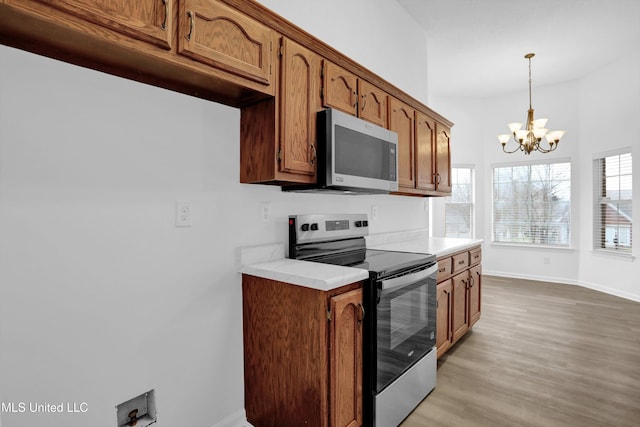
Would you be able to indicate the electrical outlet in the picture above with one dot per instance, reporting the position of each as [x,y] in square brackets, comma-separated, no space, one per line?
[184,211]
[374,212]
[425,206]
[265,211]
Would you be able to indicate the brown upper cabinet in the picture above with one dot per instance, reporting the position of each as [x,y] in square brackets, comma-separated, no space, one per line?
[146,20]
[219,36]
[239,53]
[346,92]
[424,166]
[401,121]
[278,136]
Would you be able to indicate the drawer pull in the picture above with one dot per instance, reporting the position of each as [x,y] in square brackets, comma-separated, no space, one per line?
[166,13]
[441,270]
[191,24]
[461,262]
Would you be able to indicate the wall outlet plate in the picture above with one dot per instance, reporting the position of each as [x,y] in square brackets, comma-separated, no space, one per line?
[184,212]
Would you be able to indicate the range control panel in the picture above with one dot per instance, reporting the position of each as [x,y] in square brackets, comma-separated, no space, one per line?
[311,228]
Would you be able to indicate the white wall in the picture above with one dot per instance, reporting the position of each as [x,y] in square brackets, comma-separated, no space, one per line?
[609,120]
[599,113]
[101,296]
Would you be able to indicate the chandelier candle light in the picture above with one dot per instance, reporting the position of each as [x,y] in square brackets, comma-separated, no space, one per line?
[529,139]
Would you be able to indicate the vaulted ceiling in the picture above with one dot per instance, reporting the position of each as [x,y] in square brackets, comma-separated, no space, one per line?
[477,47]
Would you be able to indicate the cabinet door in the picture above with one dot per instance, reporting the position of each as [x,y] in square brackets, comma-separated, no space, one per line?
[345,369]
[217,35]
[425,161]
[300,102]
[475,290]
[443,159]
[460,311]
[443,320]
[401,121]
[146,20]
[339,88]
[373,103]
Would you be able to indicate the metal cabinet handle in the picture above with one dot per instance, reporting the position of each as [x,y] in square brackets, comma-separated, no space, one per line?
[166,14]
[461,262]
[364,102]
[361,312]
[191,24]
[355,96]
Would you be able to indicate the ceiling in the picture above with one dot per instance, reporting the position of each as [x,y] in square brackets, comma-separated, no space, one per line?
[476,47]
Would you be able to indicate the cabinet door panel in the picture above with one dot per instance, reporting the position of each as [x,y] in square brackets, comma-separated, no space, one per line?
[219,36]
[146,20]
[300,104]
[425,161]
[475,290]
[443,320]
[460,311]
[401,121]
[372,104]
[443,159]
[345,338]
[339,88]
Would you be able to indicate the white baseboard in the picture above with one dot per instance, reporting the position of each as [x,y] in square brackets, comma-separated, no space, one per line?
[594,286]
[239,419]
[530,277]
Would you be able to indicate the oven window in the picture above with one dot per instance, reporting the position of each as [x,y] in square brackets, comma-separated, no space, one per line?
[409,315]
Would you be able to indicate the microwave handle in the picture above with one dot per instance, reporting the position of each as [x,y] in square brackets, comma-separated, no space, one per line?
[402,281]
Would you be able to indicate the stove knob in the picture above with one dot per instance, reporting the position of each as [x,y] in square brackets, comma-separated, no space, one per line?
[365,223]
[305,227]
[358,223]
[314,226]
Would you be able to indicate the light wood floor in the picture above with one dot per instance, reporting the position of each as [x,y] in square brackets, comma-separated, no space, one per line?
[542,354]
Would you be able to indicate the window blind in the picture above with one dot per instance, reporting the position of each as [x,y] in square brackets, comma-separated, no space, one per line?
[612,210]
[532,204]
[459,206]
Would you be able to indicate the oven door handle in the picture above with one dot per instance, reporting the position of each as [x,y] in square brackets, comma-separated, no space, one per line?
[402,281]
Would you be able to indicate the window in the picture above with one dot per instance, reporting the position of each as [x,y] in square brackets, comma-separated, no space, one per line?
[532,203]
[458,210]
[612,202]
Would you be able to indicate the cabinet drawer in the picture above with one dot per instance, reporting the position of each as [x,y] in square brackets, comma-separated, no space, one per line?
[444,268]
[460,262]
[475,255]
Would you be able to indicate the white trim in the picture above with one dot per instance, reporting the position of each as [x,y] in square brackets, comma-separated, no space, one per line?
[544,161]
[592,286]
[613,254]
[609,153]
[611,291]
[561,248]
[559,280]
[238,419]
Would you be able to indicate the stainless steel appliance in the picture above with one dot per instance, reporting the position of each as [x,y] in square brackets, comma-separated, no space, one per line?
[354,156]
[399,356]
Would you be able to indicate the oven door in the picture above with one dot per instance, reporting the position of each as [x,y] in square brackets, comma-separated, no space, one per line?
[405,322]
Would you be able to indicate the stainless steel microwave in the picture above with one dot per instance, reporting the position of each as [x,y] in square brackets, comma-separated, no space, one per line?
[354,156]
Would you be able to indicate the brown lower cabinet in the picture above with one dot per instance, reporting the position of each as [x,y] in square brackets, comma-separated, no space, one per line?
[459,296]
[302,354]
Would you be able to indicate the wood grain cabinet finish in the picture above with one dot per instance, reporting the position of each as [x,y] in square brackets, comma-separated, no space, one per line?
[443,159]
[401,121]
[346,92]
[444,330]
[219,36]
[302,354]
[278,135]
[460,280]
[146,20]
[426,176]
[372,103]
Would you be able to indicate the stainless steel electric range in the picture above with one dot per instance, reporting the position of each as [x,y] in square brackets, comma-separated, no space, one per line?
[399,329]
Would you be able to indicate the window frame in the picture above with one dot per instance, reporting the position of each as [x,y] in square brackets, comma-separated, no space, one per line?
[532,245]
[471,204]
[599,186]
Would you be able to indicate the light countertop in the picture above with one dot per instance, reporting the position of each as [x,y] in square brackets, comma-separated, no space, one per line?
[269,262]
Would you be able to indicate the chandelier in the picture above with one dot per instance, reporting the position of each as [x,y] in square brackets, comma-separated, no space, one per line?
[529,138]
